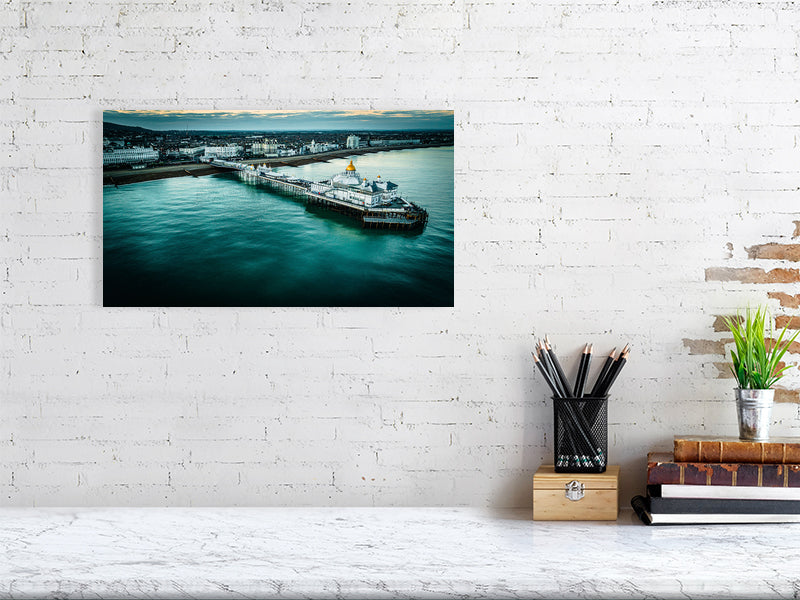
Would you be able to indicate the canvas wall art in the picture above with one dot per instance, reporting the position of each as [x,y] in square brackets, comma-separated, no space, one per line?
[278,208]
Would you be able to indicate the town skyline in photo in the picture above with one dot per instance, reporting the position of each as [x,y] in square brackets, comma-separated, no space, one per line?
[283,120]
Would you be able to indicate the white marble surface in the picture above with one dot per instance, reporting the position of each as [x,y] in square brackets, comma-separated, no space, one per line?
[382,553]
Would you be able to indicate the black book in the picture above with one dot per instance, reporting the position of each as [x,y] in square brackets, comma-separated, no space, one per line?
[706,506]
[641,505]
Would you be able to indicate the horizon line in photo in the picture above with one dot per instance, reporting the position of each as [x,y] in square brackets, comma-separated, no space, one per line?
[283,120]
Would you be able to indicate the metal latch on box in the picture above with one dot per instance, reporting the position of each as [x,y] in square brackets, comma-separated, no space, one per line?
[573,490]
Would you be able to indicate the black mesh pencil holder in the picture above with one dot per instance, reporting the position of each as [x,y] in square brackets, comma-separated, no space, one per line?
[581,435]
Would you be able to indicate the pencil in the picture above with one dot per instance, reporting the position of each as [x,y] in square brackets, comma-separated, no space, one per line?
[568,445]
[545,374]
[583,370]
[614,373]
[547,359]
[604,387]
[582,431]
[559,370]
[601,376]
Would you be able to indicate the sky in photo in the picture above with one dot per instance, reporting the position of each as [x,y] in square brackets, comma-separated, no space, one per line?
[283,120]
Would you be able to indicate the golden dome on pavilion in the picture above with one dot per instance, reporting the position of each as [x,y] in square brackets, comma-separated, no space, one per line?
[350,167]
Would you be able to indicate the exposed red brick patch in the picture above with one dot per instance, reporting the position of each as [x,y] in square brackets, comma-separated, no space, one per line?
[723,370]
[775,252]
[794,347]
[788,321]
[786,300]
[719,322]
[784,395]
[753,275]
[706,346]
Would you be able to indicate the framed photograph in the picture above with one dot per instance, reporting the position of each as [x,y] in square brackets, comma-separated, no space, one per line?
[278,208]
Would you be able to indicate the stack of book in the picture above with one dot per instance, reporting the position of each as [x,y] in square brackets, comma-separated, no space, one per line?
[722,480]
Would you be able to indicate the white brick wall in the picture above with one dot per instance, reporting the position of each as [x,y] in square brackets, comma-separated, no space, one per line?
[606,154]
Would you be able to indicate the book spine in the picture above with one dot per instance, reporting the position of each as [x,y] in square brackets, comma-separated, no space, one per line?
[639,505]
[718,451]
[730,474]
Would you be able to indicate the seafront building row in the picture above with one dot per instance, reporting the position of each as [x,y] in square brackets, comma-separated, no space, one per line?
[129,156]
[113,154]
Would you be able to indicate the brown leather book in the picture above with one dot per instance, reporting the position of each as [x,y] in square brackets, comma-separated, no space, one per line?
[663,469]
[692,448]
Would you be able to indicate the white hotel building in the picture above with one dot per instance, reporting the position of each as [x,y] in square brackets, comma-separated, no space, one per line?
[229,151]
[196,151]
[130,156]
[353,141]
[265,148]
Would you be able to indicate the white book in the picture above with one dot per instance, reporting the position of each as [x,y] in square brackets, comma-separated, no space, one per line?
[669,490]
[694,518]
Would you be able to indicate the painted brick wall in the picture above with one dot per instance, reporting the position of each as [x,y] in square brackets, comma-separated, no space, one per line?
[625,172]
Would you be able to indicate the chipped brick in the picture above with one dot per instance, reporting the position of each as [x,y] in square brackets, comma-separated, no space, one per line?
[723,370]
[705,346]
[784,395]
[775,252]
[719,322]
[786,300]
[794,347]
[788,321]
[752,275]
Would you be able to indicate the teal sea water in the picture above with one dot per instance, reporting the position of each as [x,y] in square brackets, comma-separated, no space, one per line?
[222,241]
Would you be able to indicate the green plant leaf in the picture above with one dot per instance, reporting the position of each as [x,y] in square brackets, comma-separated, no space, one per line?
[753,364]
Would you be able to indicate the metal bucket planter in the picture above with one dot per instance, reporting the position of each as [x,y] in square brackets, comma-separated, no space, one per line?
[754,409]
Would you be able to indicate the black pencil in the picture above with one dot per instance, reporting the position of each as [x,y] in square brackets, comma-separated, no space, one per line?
[614,373]
[545,374]
[576,453]
[547,360]
[570,442]
[583,370]
[602,375]
[604,386]
[559,370]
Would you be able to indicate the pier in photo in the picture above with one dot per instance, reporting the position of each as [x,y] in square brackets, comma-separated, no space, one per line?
[376,204]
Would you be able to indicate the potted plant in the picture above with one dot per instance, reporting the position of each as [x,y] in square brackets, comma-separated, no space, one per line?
[755,366]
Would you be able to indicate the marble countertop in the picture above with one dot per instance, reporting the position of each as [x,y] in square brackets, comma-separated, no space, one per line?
[383,553]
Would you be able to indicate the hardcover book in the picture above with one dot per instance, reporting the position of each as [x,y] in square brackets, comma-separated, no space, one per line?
[721,506]
[642,508]
[740,492]
[734,450]
[662,468]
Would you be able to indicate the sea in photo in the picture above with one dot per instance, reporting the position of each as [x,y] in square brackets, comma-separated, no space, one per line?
[232,239]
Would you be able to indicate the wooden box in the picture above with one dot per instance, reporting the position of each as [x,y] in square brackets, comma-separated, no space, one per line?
[575,496]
